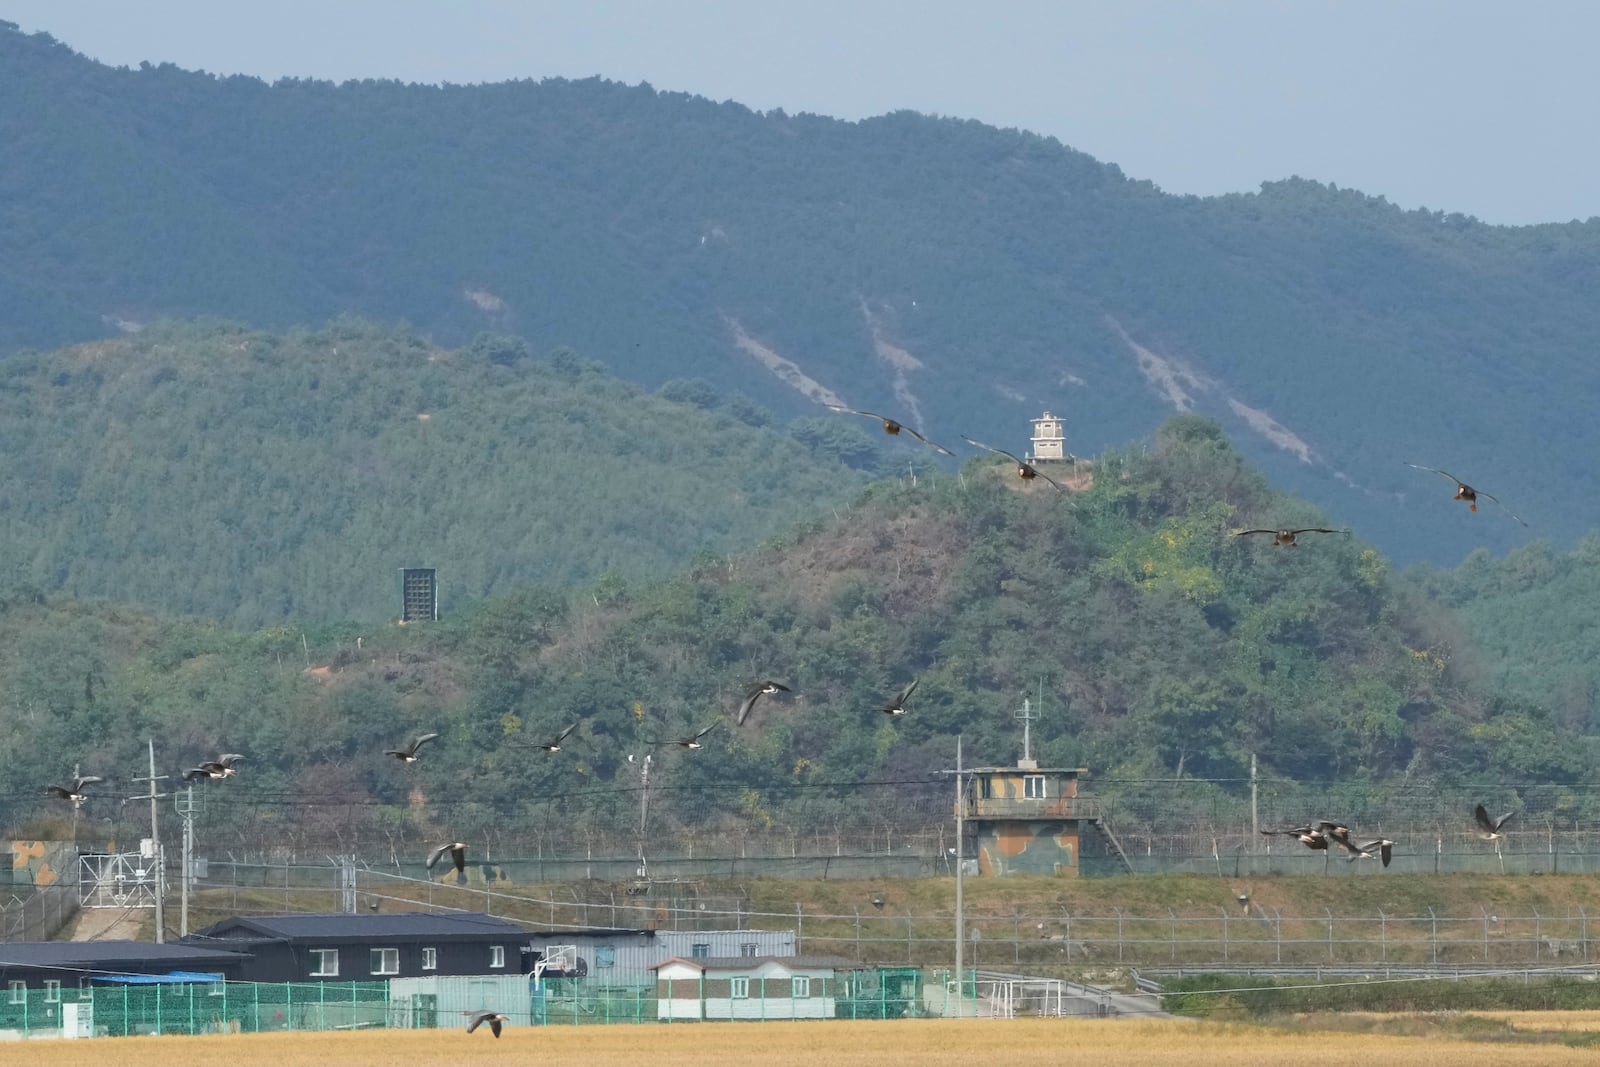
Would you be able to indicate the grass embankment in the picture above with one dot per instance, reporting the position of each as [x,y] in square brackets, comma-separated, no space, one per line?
[1049,925]
[923,1043]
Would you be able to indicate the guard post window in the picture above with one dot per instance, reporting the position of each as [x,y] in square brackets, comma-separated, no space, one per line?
[1033,786]
[739,988]
[800,987]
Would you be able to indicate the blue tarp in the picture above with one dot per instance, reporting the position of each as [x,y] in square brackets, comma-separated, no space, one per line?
[159,979]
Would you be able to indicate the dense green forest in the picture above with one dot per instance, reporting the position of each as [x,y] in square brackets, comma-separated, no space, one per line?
[965,276]
[255,478]
[1163,648]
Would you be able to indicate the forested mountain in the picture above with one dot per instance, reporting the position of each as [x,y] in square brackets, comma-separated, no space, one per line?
[255,478]
[1534,618]
[963,276]
[1163,647]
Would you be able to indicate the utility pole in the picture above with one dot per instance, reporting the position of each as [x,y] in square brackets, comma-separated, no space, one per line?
[185,805]
[1255,823]
[961,826]
[644,810]
[155,845]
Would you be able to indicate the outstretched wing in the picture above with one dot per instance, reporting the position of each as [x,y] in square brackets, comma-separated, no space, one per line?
[745,706]
[88,779]
[562,736]
[228,759]
[1436,470]
[991,448]
[1037,473]
[436,855]
[1485,496]
[936,446]
[1482,818]
[1316,529]
[905,694]
[702,733]
[1242,533]
[420,741]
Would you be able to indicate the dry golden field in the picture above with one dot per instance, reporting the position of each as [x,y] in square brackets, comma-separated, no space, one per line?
[922,1043]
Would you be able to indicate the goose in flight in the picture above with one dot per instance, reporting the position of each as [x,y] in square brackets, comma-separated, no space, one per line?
[1465,491]
[898,705]
[221,767]
[1287,537]
[458,856]
[1381,849]
[477,1018]
[1027,472]
[73,792]
[1490,828]
[409,753]
[690,742]
[1309,836]
[892,427]
[555,746]
[755,693]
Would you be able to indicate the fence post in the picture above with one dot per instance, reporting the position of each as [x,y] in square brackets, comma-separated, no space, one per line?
[1536,934]
[1225,946]
[1383,936]
[1119,933]
[1329,912]
[1434,919]
[1172,934]
[1583,930]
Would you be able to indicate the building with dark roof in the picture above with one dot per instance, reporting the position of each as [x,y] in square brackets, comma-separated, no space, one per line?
[71,965]
[342,947]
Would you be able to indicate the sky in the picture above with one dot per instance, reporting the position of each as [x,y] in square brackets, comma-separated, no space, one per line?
[1474,106]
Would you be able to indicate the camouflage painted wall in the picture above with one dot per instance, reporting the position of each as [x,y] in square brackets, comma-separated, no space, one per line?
[40,863]
[1028,847]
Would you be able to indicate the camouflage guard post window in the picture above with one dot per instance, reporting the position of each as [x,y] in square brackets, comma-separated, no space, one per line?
[1033,786]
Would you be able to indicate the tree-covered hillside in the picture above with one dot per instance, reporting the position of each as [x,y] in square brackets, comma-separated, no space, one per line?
[964,276]
[254,478]
[1163,647]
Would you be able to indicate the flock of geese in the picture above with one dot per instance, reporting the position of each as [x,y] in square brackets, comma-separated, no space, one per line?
[1321,836]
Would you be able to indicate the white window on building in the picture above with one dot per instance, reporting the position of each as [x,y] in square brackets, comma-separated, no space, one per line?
[86,989]
[430,959]
[739,988]
[699,952]
[1033,786]
[747,949]
[52,991]
[324,963]
[800,986]
[497,955]
[19,992]
[385,961]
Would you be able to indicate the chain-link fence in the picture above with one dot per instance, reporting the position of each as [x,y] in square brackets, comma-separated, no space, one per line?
[116,1008]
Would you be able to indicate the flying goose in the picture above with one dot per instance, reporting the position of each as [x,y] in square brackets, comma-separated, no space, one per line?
[458,856]
[221,767]
[892,427]
[691,742]
[555,746]
[409,753]
[898,705]
[1287,537]
[73,792]
[1490,827]
[1024,471]
[1465,491]
[1382,848]
[754,694]
[477,1018]
[1308,836]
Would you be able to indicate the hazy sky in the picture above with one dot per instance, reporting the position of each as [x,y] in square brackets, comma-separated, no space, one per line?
[1479,106]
